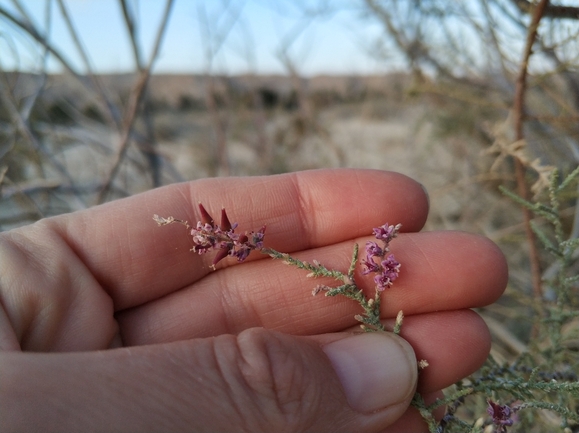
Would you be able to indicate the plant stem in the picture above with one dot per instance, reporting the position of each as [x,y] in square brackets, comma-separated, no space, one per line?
[371,318]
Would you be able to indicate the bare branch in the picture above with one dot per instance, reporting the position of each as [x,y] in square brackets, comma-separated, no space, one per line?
[31,30]
[31,101]
[214,41]
[551,11]
[131,28]
[27,133]
[411,45]
[40,38]
[148,149]
[20,7]
[134,103]
[102,92]
[3,171]
[518,120]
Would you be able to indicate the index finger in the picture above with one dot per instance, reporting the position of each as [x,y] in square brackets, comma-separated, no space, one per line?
[135,262]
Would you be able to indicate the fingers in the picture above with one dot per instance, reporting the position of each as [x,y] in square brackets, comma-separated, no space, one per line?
[445,271]
[441,271]
[412,421]
[455,344]
[135,261]
[50,301]
[259,381]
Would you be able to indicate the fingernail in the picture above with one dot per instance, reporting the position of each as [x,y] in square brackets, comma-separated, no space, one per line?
[376,370]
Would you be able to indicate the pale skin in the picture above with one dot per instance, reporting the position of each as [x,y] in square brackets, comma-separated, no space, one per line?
[108,322]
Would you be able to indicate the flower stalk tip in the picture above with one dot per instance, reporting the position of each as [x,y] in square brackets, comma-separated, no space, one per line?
[225,224]
[208,236]
[378,261]
[205,217]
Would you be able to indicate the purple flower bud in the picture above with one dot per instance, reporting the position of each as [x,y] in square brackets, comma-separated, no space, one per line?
[242,252]
[390,265]
[388,268]
[386,233]
[501,414]
[207,236]
[372,249]
[205,217]
[370,266]
[221,254]
[258,238]
[225,224]
[201,249]
[382,282]
[203,237]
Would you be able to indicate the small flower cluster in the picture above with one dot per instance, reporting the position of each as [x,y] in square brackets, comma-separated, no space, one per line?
[501,414]
[209,236]
[379,261]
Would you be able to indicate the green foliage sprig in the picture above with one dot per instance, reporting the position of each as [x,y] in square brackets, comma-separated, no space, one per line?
[544,379]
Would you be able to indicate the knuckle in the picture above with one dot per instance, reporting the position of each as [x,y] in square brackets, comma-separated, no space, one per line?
[281,389]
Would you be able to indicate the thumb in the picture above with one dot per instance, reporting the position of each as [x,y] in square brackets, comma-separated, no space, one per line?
[256,381]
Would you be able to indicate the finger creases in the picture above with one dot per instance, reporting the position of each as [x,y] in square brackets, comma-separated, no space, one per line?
[258,381]
[136,261]
[441,271]
[454,344]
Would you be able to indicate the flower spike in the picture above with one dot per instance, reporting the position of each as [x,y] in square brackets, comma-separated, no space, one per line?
[221,254]
[386,267]
[205,217]
[208,236]
[225,224]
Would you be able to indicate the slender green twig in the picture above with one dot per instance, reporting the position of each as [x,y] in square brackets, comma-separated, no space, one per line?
[371,318]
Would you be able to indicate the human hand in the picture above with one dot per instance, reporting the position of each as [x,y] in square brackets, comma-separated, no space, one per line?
[110,323]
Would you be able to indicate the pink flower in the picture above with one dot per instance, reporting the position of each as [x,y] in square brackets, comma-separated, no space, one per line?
[370,265]
[390,266]
[501,414]
[208,236]
[372,249]
[387,268]
[386,233]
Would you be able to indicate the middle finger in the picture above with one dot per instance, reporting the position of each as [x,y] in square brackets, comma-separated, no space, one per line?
[441,271]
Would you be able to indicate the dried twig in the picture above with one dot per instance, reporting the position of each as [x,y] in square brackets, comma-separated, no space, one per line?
[149,145]
[10,191]
[28,27]
[3,171]
[40,38]
[306,111]
[408,39]
[112,112]
[133,107]
[30,102]
[23,128]
[520,170]
[550,11]
[130,24]
[214,41]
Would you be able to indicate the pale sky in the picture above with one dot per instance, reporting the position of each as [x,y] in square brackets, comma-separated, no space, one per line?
[336,43]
